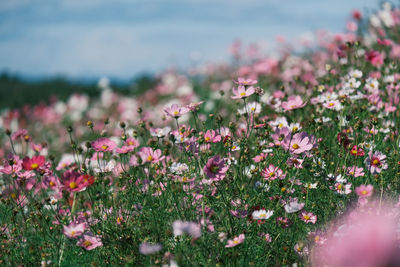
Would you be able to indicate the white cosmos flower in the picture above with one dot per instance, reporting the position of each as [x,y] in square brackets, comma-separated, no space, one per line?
[293,206]
[262,214]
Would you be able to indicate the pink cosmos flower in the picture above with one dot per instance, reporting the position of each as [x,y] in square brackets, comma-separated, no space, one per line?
[376,162]
[73,181]
[280,134]
[89,242]
[236,241]
[193,107]
[308,217]
[245,82]
[191,228]
[215,168]
[355,171]
[148,155]
[299,143]
[260,157]
[293,102]
[212,136]
[124,149]
[364,190]
[175,111]
[242,92]
[132,142]
[295,162]
[374,57]
[271,173]
[20,133]
[74,230]
[104,144]
[12,165]
[332,104]
[34,163]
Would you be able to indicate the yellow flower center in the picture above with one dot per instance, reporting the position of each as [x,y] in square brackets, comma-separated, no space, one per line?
[331,104]
[73,233]
[242,94]
[104,147]
[73,185]
[176,113]
[34,166]
[306,217]
[52,183]
[375,162]
[235,241]
[149,158]
[87,243]
[295,146]
[364,192]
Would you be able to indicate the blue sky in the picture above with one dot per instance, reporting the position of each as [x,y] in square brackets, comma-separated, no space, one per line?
[121,38]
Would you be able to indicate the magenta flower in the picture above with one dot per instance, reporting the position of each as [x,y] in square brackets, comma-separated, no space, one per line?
[74,229]
[148,155]
[308,217]
[299,143]
[374,57]
[104,144]
[236,241]
[212,137]
[271,173]
[215,168]
[89,242]
[376,162]
[364,190]
[33,163]
[242,92]
[175,111]
[73,181]
[293,102]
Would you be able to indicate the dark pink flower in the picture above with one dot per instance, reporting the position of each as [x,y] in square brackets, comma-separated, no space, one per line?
[34,163]
[215,168]
[74,181]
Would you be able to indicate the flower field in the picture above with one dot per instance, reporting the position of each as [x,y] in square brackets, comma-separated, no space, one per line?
[267,161]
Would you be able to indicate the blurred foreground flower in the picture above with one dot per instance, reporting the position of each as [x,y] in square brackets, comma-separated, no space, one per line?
[365,237]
